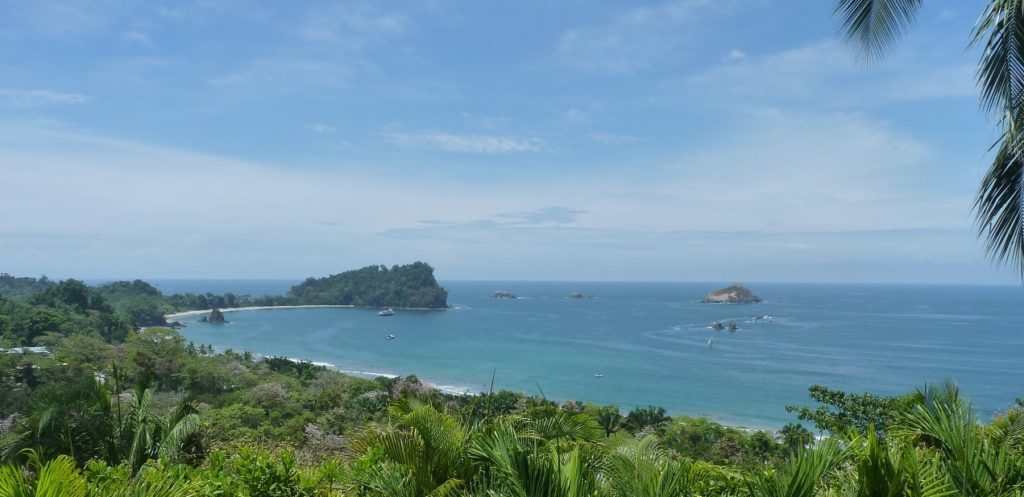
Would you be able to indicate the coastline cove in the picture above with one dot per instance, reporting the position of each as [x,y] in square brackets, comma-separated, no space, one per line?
[639,344]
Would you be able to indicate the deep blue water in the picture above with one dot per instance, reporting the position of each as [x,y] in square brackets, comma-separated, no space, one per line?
[650,342]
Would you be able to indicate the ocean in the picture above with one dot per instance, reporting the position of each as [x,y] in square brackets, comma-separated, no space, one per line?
[639,344]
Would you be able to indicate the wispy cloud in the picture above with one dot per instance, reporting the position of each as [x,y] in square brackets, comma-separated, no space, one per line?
[137,37]
[450,142]
[632,40]
[760,202]
[320,128]
[547,216]
[735,54]
[576,116]
[351,27]
[825,74]
[36,98]
[612,138]
[284,74]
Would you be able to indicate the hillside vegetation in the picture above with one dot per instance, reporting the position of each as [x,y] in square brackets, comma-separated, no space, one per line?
[142,304]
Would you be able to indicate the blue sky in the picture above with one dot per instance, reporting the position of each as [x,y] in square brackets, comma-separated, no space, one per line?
[701,140]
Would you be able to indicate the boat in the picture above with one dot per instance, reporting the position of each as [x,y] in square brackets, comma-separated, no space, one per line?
[389,337]
[732,326]
[387,312]
[598,375]
[710,342]
[717,326]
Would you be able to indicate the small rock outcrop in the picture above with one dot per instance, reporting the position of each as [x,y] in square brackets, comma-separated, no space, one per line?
[575,295]
[732,294]
[215,317]
[503,294]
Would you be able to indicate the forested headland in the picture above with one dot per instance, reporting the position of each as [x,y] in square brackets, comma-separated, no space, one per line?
[112,409]
[409,286]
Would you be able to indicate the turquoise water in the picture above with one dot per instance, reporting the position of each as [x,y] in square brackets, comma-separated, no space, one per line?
[650,342]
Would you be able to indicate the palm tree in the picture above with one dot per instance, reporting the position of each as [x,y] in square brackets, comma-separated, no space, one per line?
[424,452]
[640,468]
[83,422]
[897,471]
[74,420]
[57,478]
[874,26]
[802,476]
[143,436]
[60,477]
[977,461]
[609,419]
[510,462]
[795,437]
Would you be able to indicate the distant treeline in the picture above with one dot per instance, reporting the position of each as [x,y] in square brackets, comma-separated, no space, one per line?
[411,285]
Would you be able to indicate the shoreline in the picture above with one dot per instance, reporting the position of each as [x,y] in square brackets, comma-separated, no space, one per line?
[200,312]
[451,390]
[447,389]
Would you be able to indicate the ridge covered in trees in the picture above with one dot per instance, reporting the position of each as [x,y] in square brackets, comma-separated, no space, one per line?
[140,303]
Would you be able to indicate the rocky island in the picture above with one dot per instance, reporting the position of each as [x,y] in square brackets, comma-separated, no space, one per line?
[503,294]
[215,317]
[732,294]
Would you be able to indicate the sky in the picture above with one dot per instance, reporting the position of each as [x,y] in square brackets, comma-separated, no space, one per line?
[684,140]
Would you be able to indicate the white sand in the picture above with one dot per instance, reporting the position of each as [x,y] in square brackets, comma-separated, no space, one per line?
[444,388]
[253,308]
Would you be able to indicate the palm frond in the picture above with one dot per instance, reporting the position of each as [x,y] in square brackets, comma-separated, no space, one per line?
[13,482]
[177,435]
[802,476]
[567,426]
[641,468]
[1001,68]
[60,478]
[999,204]
[874,26]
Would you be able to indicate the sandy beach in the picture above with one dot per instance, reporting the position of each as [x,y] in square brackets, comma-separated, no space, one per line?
[253,308]
[365,374]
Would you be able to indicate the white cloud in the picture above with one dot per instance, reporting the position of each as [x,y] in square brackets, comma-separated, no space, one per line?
[137,37]
[634,39]
[612,138]
[735,54]
[824,73]
[321,128]
[37,98]
[781,178]
[576,116]
[351,28]
[282,74]
[451,142]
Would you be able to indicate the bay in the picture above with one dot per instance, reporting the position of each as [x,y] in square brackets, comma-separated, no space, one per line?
[639,344]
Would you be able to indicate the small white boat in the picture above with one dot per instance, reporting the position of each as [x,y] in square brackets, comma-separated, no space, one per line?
[387,312]
[710,342]
[598,375]
[389,337]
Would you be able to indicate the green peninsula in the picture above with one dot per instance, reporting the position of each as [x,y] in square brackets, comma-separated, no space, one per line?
[411,285]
